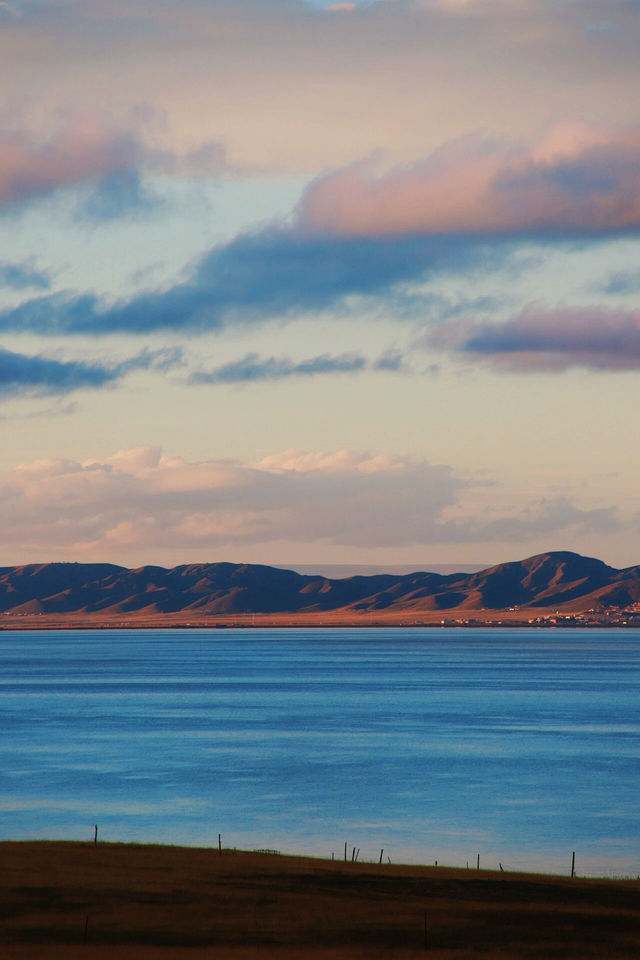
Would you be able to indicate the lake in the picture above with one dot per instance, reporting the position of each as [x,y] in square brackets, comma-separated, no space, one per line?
[434,744]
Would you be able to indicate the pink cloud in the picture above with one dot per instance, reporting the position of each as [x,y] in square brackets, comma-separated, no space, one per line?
[143,504]
[86,149]
[141,499]
[574,179]
[78,152]
[539,338]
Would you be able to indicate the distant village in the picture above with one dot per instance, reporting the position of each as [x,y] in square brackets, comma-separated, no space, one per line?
[608,617]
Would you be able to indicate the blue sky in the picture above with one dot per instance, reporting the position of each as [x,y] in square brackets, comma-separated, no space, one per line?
[337,283]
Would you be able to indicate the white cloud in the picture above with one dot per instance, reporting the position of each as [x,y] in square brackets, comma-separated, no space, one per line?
[139,503]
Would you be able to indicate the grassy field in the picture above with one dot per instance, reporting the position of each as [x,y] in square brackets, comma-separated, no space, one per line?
[326,618]
[117,901]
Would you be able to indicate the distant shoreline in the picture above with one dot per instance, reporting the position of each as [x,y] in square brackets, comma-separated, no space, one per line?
[296,622]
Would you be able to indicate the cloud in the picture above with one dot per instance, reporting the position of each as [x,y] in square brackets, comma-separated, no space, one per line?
[252,368]
[465,209]
[56,410]
[141,502]
[327,88]
[545,517]
[391,360]
[539,338]
[468,208]
[622,282]
[359,232]
[22,276]
[45,376]
[485,8]
[115,196]
[272,274]
[85,151]
[575,180]
[79,152]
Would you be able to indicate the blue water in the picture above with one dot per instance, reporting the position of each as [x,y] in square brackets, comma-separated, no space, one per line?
[520,745]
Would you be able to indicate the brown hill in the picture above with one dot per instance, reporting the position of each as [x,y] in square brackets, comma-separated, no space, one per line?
[559,580]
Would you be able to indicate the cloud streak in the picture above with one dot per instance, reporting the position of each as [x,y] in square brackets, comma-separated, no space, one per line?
[542,339]
[115,196]
[41,376]
[252,368]
[272,274]
[23,276]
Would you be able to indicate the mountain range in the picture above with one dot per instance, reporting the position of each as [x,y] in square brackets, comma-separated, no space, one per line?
[558,581]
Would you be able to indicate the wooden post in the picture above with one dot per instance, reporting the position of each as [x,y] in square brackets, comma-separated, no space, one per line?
[220,844]
[573,864]
[478,863]
[95,835]
[345,851]
[353,855]
[500,865]
[381,852]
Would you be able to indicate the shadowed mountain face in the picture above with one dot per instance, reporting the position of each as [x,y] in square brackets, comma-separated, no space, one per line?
[559,580]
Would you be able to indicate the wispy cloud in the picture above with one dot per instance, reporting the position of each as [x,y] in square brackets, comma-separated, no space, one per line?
[116,196]
[55,410]
[39,375]
[540,338]
[622,282]
[253,368]
[23,276]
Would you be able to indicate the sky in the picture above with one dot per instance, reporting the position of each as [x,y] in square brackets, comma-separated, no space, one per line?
[307,283]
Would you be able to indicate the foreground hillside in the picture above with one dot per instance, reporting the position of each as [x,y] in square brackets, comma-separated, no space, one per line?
[550,581]
[119,902]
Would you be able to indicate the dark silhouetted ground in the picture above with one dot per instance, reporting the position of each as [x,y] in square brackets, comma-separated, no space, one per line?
[130,902]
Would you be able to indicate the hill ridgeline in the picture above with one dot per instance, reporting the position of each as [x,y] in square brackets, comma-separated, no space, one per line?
[558,580]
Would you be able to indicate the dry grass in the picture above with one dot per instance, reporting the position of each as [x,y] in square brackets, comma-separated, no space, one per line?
[165,902]
[326,618]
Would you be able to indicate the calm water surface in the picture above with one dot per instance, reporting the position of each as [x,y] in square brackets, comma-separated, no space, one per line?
[520,745]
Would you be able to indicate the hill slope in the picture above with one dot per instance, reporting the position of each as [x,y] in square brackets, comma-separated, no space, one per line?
[559,580]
